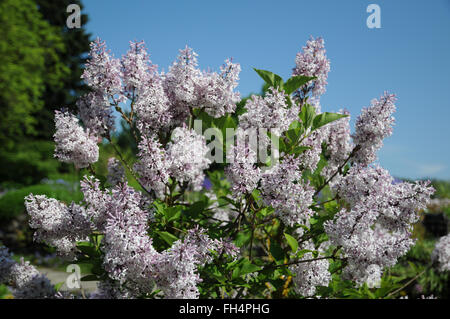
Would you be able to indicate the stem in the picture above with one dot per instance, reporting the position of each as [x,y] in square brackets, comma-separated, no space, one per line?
[408,283]
[128,167]
[298,262]
[252,236]
[355,149]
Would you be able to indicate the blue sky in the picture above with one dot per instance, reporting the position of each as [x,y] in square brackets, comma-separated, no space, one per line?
[409,56]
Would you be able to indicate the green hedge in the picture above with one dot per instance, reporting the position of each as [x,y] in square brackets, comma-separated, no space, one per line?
[12,203]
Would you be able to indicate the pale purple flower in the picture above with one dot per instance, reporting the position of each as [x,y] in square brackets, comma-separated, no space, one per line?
[215,92]
[73,143]
[186,153]
[96,201]
[57,224]
[283,188]
[312,61]
[102,72]
[372,126]
[270,112]
[153,165]
[116,172]
[376,228]
[243,172]
[179,84]
[309,275]
[441,253]
[96,114]
[137,69]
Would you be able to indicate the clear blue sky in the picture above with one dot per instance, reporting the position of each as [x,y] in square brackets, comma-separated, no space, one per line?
[408,56]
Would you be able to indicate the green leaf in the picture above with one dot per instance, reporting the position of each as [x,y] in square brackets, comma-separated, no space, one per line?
[292,242]
[277,252]
[87,249]
[172,213]
[270,78]
[196,208]
[293,135]
[242,238]
[59,285]
[302,252]
[299,150]
[244,267]
[296,82]
[325,118]
[167,237]
[247,268]
[307,115]
[295,125]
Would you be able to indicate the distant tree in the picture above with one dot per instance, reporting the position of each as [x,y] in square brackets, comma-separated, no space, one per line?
[76,43]
[30,61]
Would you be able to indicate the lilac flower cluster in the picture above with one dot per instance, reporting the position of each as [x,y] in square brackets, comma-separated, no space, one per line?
[103,72]
[283,188]
[243,172]
[309,275]
[372,126]
[376,228]
[313,62]
[57,224]
[186,154]
[96,113]
[187,87]
[176,268]
[24,280]
[129,257]
[270,112]
[441,253]
[128,249]
[184,159]
[73,143]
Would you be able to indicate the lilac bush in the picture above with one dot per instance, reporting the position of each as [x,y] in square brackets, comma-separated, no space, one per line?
[314,215]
